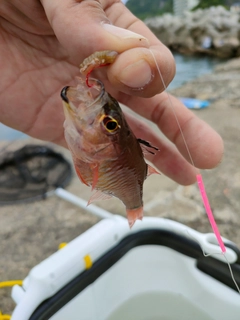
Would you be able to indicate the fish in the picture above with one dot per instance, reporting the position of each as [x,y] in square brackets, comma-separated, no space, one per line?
[107,156]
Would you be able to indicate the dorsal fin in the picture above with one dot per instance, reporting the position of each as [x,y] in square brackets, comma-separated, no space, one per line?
[151,170]
[145,144]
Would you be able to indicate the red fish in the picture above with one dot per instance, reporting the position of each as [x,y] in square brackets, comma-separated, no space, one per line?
[106,154]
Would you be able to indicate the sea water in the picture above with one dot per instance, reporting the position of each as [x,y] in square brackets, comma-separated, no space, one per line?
[191,67]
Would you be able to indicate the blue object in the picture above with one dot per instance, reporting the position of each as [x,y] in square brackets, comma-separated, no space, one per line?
[194,103]
[7,133]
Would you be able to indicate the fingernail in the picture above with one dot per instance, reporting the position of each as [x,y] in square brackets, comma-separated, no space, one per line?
[122,33]
[136,75]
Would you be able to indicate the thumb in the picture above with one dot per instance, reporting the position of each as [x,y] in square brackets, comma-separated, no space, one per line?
[82,28]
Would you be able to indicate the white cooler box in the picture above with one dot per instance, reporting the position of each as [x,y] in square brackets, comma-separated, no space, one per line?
[155,271]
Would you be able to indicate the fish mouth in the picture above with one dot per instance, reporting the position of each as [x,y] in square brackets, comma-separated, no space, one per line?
[87,96]
[97,90]
[68,106]
[64,94]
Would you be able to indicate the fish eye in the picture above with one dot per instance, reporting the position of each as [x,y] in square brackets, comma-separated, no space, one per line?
[110,124]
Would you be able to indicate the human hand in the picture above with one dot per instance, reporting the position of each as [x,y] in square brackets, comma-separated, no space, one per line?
[42,45]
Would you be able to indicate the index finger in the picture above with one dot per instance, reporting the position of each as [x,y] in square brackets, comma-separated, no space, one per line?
[84,27]
[180,125]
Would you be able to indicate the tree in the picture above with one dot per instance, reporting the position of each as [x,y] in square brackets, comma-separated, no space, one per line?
[149,8]
[203,4]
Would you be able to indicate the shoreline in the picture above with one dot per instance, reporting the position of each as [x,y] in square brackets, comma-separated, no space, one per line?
[213,31]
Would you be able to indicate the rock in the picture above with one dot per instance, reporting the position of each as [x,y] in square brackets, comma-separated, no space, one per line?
[232,65]
[214,31]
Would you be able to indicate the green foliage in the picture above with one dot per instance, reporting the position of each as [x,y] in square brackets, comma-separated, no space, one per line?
[149,8]
[203,4]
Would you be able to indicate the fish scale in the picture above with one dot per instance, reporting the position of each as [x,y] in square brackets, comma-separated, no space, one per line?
[123,183]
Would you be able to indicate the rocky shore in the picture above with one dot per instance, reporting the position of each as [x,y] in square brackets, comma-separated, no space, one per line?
[214,31]
[30,232]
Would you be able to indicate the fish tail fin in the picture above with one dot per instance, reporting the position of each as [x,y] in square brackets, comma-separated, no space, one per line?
[133,215]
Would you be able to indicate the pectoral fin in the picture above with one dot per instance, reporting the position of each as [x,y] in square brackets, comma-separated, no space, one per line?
[95,174]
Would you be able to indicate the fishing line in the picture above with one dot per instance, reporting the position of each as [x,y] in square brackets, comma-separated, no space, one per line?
[205,254]
[175,115]
[231,273]
[198,178]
